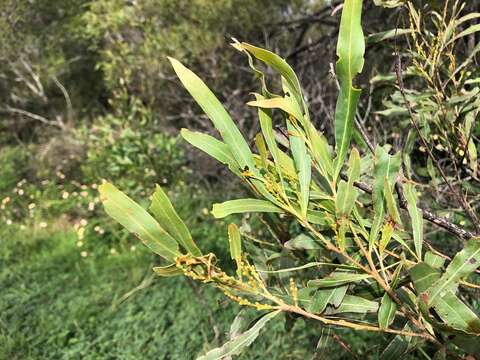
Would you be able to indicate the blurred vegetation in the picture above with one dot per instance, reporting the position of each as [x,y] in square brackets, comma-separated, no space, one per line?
[87,94]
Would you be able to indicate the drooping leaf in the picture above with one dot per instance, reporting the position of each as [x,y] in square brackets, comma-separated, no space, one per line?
[280,66]
[213,147]
[240,206]
[217,114]
[416,218]
[168,218]
[138,221]
[239,343]
[350,51]
[464,263]
[386,312]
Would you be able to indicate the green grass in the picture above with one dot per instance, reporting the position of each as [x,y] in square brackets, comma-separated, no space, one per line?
[55,304]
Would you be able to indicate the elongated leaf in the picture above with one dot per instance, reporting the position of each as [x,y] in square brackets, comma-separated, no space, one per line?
[456,314]
[236,345]
[280,66]
[168,271]
[354,304]
[423,276]
[138,221]
[262,149]
[324,297]
[387,233]
[279,103]
[385,168]
[321,152]
[416,218]
[213,147]
[303,164]
[398,346]
[470,30]
[463,264]
[265,118]
[168,218]
[386,312]
[241,206]
[391,203]
[217,114]
[235,241]
[325,341]
[350,51]
[346,192]
[337,279]
[385,35]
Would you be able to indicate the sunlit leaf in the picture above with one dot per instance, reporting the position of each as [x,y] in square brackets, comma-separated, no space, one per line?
[213,147]
[138,221]
[168,218]
[217,114]
[350,51]
[240,206]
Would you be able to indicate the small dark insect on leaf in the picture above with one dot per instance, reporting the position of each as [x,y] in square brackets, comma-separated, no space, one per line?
[473,261]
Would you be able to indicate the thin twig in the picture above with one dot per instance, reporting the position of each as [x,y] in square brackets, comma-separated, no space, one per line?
[460,198]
